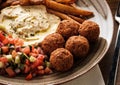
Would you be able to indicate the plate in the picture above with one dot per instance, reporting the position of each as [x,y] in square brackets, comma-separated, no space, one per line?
[102,16]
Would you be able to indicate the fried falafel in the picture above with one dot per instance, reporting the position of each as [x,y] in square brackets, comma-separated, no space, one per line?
[78,46]
[52,42]
[90,30]
[68,28]
[61,59]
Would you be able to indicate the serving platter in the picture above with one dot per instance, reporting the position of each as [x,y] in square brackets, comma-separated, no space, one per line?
[102,16]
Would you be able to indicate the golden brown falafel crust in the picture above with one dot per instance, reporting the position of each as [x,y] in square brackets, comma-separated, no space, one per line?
[52,42]
[78,46]
[90,30]
[68,28]
[61,59]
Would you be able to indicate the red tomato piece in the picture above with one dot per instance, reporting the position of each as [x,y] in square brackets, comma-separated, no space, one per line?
[5,49]
[29,76]
[36,64]
[2,37]
[18,42]
[10,72]
[48,70]
[41,72]
[33,54]
[35,51]
[41,57]
[26,50]
[14,53]
[10,36]
[11,40]
[27,69]
[4,59]
[27,62]
[40,50]
[5,41]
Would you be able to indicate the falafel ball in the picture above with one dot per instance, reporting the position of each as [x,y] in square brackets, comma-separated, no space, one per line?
[68,28]
[90,30]
[78,46]
[61,59]
[52,42]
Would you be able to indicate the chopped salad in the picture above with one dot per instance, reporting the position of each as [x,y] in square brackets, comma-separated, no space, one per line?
[16,59]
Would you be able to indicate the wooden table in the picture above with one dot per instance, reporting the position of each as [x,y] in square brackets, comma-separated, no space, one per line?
[106,62]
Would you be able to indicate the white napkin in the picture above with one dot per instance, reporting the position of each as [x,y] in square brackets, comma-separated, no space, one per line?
[92,77]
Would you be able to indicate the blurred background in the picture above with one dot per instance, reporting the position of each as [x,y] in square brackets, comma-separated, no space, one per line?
[106,62]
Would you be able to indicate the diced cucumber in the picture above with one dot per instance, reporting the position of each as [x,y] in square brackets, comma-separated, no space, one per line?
[19,53]
[1,64]
[9,57]
[17,60]
[32,59]
[47,64]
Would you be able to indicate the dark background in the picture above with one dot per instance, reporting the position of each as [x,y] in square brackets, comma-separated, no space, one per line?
[106,62]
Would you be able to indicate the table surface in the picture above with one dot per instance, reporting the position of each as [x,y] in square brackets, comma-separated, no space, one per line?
[106,62]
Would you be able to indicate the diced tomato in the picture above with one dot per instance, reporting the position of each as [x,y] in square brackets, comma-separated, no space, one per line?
[40,67]
[29,76]
[10,72]
[27,62]
[5,49]
[48,70]
[21,42]
[1,44]
[41,57]
[10,36]
[35,51]
[33,47]
[4,59]
[40,50]
[1,31]
[36,63]
[41,72]
[11,40]
[2,37]
[27,69]
[26,50]
[33,54]
[14,53]
[5,41]
[18,42]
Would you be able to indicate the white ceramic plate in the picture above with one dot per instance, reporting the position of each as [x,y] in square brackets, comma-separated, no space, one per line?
[103,17]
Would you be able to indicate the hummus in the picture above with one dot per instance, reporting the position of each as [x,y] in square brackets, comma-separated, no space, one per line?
[31,23]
